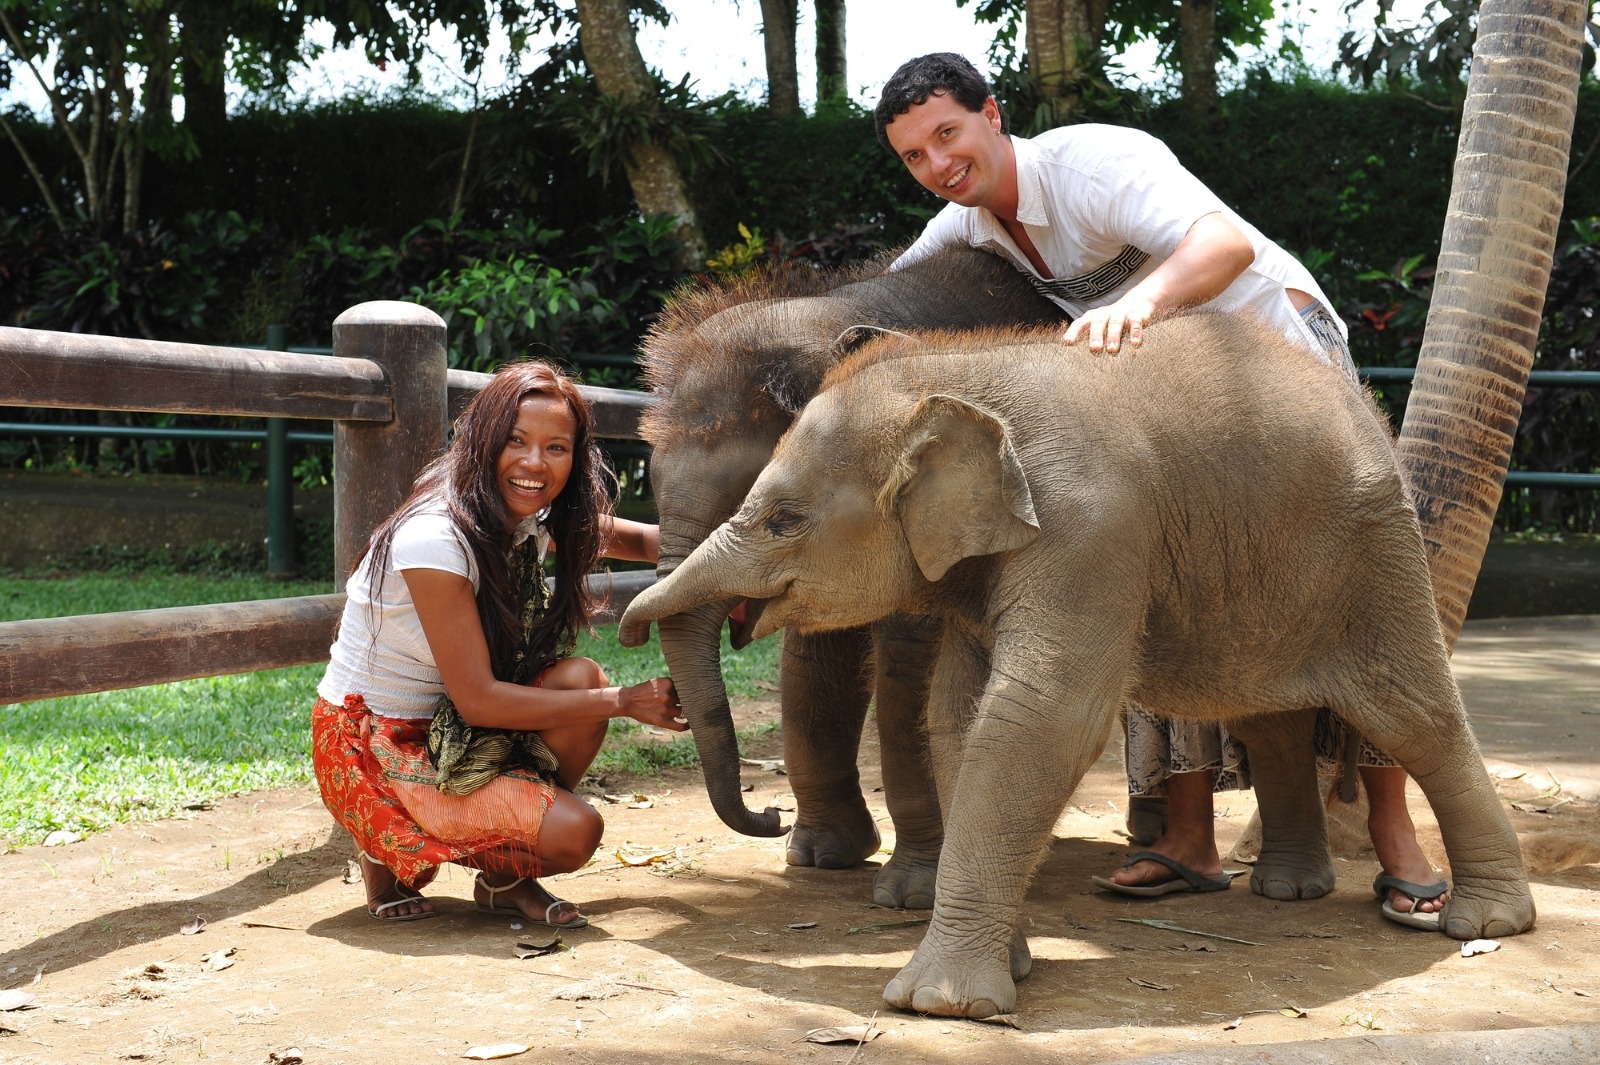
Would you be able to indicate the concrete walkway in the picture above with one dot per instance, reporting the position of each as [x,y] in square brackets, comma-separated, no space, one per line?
[1532,689]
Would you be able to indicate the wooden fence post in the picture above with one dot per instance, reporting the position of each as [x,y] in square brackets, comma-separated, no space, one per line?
[374,463]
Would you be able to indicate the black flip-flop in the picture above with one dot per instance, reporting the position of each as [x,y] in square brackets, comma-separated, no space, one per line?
[1183,879]
[1427,922]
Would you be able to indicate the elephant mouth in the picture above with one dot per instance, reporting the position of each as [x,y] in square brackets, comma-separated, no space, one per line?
[742,622]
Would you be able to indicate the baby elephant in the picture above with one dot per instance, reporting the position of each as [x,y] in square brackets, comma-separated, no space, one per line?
[1211,523]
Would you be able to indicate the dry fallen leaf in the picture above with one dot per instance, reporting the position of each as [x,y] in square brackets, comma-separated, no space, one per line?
[1005,1020]
[855,1034]
[767,765]
[537,950]
[194,927]
[218,960]
[352,872]
[645,859]
[803,925]
[1479,946]
[498,1050]
[1151,984]
[61,837]
[1231,1025]
[16,1000]
[292,1056]
[1292,1011]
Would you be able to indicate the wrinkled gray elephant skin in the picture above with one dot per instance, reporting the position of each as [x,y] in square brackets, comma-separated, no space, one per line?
[730,369]
[1211,523]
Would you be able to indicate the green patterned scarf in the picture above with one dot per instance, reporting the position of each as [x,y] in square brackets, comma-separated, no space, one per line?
[468,757]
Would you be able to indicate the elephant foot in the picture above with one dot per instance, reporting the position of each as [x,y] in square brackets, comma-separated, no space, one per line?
[833,846]
[959,984]
[906,882]
[1290,877]
[1480,909]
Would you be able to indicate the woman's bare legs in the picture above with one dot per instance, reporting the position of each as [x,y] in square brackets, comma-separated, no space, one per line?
[572,828]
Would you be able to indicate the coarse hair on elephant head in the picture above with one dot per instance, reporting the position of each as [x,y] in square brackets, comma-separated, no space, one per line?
[730,367]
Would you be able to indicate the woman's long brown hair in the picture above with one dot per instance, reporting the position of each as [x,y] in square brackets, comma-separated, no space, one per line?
[465,479]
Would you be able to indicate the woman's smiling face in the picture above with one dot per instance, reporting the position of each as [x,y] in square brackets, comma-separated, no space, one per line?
[537,458]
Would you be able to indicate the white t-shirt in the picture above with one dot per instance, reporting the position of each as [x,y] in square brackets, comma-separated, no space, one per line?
[381,652]
[1106,205]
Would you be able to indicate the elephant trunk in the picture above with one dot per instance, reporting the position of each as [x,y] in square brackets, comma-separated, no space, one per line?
[691,642]
[691,609]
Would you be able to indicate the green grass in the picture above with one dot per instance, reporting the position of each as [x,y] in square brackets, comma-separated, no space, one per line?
[54,597]
[91,761]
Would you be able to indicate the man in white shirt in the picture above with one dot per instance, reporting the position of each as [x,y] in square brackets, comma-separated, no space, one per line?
[1109,226]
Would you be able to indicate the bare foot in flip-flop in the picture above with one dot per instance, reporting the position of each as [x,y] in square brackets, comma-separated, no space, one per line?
[1188,860]
[527,898]
[387,898]
[1409,889]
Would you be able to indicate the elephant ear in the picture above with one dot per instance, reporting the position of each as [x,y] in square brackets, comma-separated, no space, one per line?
[964,492]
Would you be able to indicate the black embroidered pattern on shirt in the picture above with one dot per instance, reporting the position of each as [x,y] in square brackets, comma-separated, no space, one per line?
[1097,282]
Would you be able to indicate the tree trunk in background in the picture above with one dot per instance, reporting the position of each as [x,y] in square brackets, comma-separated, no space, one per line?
[154,101]
[1059,33]
[612,52]
[779,19]
[1494,265]
[202,46]
[1197,58]
[832,76]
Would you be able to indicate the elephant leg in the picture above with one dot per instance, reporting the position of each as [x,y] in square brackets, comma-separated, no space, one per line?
[1420,722]
[959,676]
[824,696]
[1294,861]
[1042,718]
[904,653]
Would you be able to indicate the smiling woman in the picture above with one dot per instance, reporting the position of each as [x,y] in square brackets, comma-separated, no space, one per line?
[454,721]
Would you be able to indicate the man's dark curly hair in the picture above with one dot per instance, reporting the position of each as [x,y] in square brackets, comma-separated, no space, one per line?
[935,74]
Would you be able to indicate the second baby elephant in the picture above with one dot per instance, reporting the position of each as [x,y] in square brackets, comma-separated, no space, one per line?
[1211,523]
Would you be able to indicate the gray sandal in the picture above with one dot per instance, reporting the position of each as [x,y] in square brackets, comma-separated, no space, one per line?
[1428,922]
[1184,878]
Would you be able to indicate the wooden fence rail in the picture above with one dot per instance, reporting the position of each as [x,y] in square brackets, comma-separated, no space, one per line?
[388,391]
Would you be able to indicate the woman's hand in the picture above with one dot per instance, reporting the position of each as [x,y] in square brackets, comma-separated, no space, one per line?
[655,702]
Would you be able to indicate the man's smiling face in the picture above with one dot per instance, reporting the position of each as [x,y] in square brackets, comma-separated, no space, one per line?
[954,153]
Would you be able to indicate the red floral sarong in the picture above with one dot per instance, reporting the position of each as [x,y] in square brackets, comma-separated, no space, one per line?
[377,781]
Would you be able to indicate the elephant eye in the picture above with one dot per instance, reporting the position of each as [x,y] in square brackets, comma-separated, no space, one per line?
[783,522]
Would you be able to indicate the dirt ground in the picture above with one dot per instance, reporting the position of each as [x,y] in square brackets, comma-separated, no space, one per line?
[715,951]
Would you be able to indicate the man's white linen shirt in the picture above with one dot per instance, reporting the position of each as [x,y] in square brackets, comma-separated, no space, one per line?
[1106,205]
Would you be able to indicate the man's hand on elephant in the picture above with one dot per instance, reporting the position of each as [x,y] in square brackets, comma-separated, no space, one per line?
[1104,326]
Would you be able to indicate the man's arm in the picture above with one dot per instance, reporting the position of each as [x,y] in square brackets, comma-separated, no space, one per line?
[1208,259]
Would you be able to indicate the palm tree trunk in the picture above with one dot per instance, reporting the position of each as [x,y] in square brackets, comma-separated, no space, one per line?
[1494,265]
